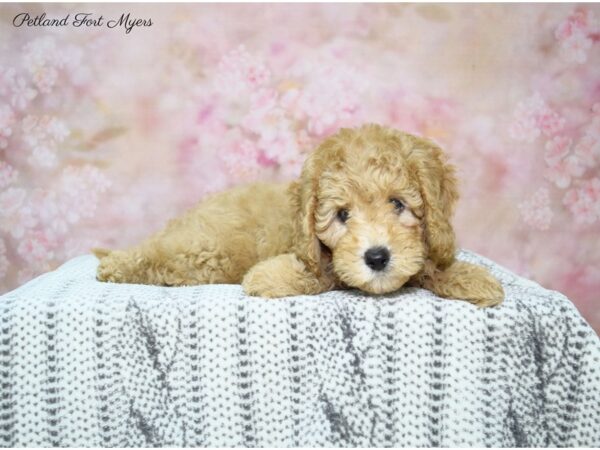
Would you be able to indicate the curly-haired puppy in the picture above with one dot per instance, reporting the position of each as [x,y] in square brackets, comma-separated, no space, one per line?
[371,210]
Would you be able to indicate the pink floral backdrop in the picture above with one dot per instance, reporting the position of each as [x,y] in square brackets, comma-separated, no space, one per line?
[104,134]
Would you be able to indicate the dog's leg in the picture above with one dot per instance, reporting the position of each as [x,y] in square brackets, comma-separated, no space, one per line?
[120,266]
[463,281]
[282,276]
[160,264]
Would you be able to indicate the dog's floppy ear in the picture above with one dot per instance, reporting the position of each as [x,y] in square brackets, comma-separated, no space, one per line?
[443,274]
[303,198]
[438,188]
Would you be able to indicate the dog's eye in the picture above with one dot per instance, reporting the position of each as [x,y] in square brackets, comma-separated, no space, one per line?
[343,215]
[397,204]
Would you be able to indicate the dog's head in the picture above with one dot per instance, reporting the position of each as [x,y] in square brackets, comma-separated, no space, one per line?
[373,206]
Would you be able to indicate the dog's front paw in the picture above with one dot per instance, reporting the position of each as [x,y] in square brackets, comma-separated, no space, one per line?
[258,283]
[488,292]
[256,288]
[465,281]
[280,276]
[476,285]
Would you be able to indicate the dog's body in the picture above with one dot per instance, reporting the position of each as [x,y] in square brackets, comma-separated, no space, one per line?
[217,241]
[371,211]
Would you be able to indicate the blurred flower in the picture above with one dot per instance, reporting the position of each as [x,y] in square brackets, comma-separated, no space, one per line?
[40,57]
[22,94]
[239,73]
[536,211]
[45,78]
[584,202]
[7,80]
[329,96]
[49,211]
[42,157]
[8,174]
[574,32]
[36,247]
[39,52]
[42,135]
[56,129]
[69,57]
[565,170]
[16,216]
[533,117]
[588,149]
[576,48]
[242,160]
[10,200]
[580,20]
[7,120]
[556,149]
[78,191]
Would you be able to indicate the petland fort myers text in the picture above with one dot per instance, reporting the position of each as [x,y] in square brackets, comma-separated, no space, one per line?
[81,20]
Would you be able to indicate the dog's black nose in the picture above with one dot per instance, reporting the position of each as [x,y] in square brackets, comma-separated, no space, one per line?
[377,258]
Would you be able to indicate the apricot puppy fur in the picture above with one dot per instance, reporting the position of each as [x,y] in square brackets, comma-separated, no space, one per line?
[371,210]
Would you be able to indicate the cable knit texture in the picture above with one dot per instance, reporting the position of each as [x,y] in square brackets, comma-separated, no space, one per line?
[84,363]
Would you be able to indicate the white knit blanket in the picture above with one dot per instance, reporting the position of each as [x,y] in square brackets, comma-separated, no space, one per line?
[84,363]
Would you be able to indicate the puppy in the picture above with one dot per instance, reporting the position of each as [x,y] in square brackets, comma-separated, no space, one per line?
[371,210]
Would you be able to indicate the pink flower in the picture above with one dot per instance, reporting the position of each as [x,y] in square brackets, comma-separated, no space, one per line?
[22,94]
[42,135]
[584,202]
[533,117]
[281,147]
[240,73]
[576,48]
[39,52]
[591,188]
[42,57]
[7,80]
[562,172]
[36,247]
[536,211]
[580,20]
[16,217]
[56,129]
[524,129]
[7,120]
[69,57]
[45,78]
[571,196]
[264,115]
[42,157]
[51,213]
[573,34]
[550,122]
[79,190]
[10,200]
[587,149]
[329,95]
[556,150]
[241,160]
[8,174]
